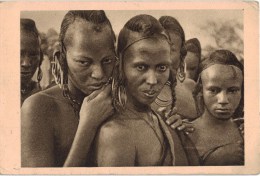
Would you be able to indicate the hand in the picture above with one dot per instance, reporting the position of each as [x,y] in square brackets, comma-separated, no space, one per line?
[97,107]
[175,120]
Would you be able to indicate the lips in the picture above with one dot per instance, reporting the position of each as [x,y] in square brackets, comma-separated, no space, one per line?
[96,86]
[150,93]
[223,110]
[26,73]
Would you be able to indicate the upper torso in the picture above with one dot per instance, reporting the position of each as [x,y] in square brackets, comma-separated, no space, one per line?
[59,118]
[215,146]
[151,148]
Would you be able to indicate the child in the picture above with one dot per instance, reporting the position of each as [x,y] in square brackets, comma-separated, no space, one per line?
[220,97]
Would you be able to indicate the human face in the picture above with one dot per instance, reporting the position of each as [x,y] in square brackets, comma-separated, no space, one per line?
[221,90]
[175,51]
[192,62]
[29,56]
[146,67]
[90,56]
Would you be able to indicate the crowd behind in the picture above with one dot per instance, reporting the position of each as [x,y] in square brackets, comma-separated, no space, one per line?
[91,99]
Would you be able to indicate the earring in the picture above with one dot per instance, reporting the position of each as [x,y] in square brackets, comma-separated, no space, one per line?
[182,72]
[39,74]
[122,96]
[57,72]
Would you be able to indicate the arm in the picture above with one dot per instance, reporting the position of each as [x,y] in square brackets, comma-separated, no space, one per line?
[37,149]
[95,109]
[114,146]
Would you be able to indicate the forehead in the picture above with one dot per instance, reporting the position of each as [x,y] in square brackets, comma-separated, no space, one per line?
[222,75]
[154,50]
[28,40]
[82,34]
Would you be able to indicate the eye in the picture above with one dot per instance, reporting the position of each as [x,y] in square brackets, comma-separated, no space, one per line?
[141,67]
[213,90]
[162,68]
[234,90]
[107,60]
[84,63]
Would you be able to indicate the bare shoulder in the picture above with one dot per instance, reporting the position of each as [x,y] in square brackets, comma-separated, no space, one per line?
[115,129]
[39,108]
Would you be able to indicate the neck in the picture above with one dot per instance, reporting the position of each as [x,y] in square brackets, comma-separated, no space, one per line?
[212,121]
[76,94]
[137,106]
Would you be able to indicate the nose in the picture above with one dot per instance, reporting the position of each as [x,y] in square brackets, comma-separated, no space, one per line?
[97,72]
[223,98]
[26,61]
[151,78]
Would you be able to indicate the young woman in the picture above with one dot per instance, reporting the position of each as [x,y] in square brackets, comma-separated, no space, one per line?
[220,94]
[31,58]
[181,91]
[135,135]
[59,124]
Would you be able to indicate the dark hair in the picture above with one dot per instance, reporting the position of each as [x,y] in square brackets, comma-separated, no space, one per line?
[224,57]
[171,24]
[28,25]
[96,17]
[137,28]
[193,45]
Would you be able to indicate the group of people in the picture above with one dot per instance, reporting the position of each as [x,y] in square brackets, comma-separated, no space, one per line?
[133,102]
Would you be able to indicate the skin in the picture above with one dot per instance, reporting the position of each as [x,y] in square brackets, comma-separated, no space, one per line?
[122,141]
[29,57]
[192,62]
[52,135]
[221,94]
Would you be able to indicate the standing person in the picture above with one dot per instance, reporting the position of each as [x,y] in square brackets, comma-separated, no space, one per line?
[59,124]
[220,94]
[182,88]
[192,58]
[30,58]
[135,135]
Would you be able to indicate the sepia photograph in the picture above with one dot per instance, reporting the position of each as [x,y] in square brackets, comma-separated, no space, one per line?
[135,88]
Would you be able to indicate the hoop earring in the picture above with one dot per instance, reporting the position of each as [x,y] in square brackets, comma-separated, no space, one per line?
[57,72]
[122,96]
[39,74]
[182,73]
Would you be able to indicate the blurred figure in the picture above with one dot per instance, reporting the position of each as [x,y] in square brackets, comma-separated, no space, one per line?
[192,58]
[181,91]
[30,58]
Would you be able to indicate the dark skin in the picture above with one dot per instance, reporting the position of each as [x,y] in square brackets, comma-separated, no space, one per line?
[29,61]
[126,139]
[221,94]
[52,135]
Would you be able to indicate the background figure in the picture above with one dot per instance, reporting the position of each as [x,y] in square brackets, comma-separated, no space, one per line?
[182,91]
[192,58]
[31,58]
[219,94]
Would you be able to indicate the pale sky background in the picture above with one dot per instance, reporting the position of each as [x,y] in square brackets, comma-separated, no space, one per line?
[191,20]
